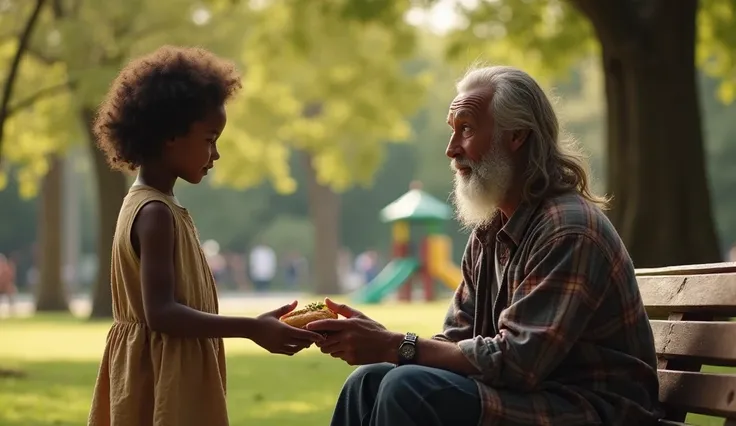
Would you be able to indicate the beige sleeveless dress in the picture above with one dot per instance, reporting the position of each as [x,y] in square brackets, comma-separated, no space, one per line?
[148,378]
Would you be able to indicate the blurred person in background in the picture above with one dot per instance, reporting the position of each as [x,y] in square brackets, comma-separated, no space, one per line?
[350,278]
[366,264]
[238,270]
[262,266]
[8,287]
[215,260]
[295,269]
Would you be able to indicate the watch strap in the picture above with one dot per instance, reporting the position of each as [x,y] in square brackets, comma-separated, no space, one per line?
[410,339]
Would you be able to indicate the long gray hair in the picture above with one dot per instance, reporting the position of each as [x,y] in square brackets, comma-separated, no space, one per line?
[519,103]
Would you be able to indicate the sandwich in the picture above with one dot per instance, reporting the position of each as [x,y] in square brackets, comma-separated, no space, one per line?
[312,312]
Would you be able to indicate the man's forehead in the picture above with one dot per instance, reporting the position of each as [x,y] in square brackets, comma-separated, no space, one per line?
[470,102]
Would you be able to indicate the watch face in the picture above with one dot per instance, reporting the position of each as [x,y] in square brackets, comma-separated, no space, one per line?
[407,351]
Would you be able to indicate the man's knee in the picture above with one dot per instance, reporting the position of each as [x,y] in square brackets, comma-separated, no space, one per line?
[412,384]
[404,383]
[369,376]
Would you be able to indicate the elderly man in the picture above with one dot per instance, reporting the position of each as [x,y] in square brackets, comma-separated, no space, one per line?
[547,326]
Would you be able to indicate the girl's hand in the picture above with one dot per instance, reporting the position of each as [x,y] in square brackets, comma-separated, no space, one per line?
[280,338]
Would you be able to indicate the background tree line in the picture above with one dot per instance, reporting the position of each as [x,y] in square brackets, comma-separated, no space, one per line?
[361,96]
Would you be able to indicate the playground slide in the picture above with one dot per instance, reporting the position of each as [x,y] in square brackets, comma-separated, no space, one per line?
[449,275]
[387,281]
[440,262]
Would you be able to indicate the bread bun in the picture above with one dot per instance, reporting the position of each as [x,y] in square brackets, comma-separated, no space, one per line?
[312,312]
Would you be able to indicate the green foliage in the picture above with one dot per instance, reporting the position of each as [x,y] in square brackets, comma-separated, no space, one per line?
[546,38]
[287,233]
[324,77]
[720,135]
[98,37]
[229,217]
[716,41]
[42,128]
[543,37]
[430,124]
[316,82]
[78,49]
[360,228]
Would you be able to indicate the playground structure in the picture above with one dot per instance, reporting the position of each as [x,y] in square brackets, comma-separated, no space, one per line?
[427,258]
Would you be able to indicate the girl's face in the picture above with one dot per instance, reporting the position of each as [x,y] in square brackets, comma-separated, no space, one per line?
[192,155]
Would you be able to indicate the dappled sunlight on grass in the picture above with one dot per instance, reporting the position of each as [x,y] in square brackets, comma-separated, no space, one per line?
[47,338]
[51,393]
[59,356]
[280,390]
[291,407]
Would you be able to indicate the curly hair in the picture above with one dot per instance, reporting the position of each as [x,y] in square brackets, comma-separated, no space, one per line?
[157,97]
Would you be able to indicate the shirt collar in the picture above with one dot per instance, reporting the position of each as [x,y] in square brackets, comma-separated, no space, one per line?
[512,229]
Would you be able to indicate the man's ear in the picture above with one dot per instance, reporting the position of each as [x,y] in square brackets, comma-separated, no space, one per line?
[518,137]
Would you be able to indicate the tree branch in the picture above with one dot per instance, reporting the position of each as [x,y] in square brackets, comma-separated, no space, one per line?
[41,94]
[23,41]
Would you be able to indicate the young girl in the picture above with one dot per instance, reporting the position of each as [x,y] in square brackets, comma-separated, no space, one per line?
[164,362]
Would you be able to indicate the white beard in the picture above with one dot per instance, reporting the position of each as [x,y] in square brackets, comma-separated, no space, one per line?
[476,196]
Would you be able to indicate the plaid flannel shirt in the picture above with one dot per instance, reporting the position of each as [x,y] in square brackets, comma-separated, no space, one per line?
[566,340]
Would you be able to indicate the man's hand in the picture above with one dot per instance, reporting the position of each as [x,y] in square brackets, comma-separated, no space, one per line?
[357,339]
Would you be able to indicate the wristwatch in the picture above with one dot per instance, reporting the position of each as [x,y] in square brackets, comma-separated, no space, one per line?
[408,349]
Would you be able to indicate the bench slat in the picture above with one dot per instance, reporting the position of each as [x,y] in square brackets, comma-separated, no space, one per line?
[708,342]
[702,393]
[709,293]
[695,269]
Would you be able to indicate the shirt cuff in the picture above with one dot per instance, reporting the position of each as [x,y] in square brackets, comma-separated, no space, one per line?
[441,338]
[485,355]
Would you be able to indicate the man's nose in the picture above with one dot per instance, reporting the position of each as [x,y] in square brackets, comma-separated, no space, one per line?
[454,148]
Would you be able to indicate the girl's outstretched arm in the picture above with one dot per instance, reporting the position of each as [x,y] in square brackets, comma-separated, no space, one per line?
[153,231]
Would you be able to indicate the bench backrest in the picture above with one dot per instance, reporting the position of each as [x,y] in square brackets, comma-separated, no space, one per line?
[691,308]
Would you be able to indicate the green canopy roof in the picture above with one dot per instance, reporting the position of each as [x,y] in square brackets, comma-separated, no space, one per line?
[416,205]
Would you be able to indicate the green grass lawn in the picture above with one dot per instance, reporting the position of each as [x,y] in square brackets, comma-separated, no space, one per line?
[59,356]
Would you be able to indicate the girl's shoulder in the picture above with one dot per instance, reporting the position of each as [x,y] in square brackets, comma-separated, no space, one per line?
[186,232]
[137,197]
[140,195]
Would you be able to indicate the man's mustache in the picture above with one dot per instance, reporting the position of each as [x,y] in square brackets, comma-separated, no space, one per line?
[458,163]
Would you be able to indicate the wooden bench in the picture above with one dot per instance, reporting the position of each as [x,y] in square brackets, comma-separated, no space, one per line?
[690,309]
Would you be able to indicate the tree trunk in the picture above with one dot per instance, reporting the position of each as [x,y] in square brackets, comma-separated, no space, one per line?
[656,162]
[324,210]
[112,187]
[51,294]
